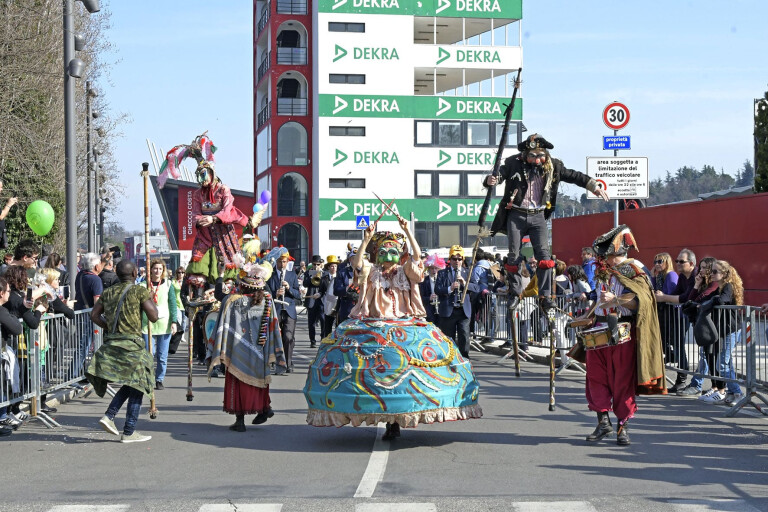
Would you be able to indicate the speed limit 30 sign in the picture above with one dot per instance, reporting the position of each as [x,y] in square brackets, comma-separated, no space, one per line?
[616,116]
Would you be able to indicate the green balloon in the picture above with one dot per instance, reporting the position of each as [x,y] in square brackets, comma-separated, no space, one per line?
[40,217]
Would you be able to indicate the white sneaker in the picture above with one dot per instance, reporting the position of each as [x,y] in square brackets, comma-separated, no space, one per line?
[705,396]
[714,398]
[20,416]
[732,398]
[134,438]
[108,425]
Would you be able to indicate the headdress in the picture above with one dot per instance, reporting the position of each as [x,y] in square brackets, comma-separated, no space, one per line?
[277,253]
[201,149]
[351,249]
[535,141]
[456,249]
[433,260]
[616,241]
[254,275]
[383,237]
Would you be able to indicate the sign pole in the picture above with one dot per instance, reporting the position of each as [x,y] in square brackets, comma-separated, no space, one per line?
[616,202]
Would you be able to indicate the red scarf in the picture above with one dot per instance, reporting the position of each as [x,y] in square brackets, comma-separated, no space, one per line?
[708,291]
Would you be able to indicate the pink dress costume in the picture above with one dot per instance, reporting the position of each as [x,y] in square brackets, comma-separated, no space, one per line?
[216,200]
[394,294]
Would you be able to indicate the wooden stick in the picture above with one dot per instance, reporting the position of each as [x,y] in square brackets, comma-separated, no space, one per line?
[551,323]
[145,175]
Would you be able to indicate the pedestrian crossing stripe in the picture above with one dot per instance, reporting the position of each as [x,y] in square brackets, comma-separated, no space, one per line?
[363,221]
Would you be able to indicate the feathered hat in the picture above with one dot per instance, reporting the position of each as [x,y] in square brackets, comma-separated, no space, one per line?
[617,241]
[433,260]
[254,275]
[382,238]
[201,149]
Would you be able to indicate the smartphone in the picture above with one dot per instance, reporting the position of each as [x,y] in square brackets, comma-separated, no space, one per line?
[289,266]
[63,292]
[29,293]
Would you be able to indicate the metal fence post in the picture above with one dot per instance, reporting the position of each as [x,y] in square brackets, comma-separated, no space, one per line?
[751,378]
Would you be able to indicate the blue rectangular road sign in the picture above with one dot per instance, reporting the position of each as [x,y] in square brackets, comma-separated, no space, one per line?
[362,221]
[616,142]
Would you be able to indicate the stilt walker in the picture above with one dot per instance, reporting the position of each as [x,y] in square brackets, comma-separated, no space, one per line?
[145,176]
[550,314]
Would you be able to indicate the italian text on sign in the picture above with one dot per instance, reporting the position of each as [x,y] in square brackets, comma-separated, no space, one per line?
[620,177]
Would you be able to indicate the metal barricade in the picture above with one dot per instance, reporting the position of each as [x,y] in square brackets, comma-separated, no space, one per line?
[52,357]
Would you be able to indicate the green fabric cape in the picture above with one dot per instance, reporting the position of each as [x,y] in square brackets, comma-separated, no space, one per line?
[124,360]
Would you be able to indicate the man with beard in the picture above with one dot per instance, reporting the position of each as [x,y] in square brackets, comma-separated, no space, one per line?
[532,177]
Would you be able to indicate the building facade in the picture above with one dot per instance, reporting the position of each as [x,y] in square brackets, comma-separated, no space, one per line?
[407,100]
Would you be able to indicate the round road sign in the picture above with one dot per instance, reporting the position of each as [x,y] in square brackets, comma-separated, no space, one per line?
[616,116]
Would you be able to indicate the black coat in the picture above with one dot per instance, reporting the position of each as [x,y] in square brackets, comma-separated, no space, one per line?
[514,172]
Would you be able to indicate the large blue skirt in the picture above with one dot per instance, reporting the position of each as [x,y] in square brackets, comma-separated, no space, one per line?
[402,370]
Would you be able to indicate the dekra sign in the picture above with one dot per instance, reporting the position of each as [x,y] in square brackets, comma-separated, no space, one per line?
[478,107]
[375,105]
[478,5]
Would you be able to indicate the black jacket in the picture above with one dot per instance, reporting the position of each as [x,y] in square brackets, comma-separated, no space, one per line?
[515,173]
[108,278]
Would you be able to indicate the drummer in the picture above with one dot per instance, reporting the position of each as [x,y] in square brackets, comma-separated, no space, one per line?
[624,351]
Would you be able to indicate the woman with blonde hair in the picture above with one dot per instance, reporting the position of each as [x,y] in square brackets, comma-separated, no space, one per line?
[664,279]
[163,294]
[54,332]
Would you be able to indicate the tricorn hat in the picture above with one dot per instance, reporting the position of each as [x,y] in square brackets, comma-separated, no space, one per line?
[535,141]
[619,240]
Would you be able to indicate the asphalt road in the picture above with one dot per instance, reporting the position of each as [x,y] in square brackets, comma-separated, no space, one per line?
[685,455]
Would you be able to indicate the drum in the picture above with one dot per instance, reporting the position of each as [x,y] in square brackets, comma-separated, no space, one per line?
[600,336]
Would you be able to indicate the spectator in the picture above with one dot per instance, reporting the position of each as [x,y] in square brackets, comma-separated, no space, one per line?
[311,282]
[685,266]
[580,289]
[142,275]
[21,308]
[195,289]
[25,255]
[345,287]
[53,261]
[329,300]
[562,284]
[480,278]
[588,264]
[56,336]
[3,214]
[107,275]
[181,318]
[88,289]
[701,291]
[163,295]
[7,259]
[9,328]
[664,279]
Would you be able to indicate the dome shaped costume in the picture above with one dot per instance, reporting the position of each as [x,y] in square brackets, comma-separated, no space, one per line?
[386,363]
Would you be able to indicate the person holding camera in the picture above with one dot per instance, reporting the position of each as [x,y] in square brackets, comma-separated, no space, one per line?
[312,299]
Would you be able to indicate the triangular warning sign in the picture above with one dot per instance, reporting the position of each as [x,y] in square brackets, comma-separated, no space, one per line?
[363,224]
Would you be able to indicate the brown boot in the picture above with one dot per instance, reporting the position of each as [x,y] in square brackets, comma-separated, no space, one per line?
[604,427]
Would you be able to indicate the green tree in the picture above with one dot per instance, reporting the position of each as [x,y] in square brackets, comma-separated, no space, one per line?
[761,144]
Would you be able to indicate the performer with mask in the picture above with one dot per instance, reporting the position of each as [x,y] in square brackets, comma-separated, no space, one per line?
[624,355]
[385,363]
[532,178]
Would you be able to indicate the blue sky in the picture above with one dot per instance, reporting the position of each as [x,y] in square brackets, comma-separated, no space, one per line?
[688,71]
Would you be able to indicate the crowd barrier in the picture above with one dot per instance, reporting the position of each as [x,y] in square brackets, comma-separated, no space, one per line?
[52,357]
[741,358]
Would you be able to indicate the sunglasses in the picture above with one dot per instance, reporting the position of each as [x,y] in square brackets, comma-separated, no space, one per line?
[659,262]
[681,261]
[718,272]
[456,259]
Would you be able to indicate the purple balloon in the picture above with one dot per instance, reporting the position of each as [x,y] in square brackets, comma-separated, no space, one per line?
[265,197]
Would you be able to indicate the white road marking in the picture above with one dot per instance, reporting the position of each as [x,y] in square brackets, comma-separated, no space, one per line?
[90,508]
[377,465]
[231,507]
[708,505]
[395,507]
[553,506]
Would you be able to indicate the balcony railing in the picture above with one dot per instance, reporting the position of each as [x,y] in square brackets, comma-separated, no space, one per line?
[292,56]
[263,20]
[291,106]
[265,65]
[292,207]
[265,114]
[292,6]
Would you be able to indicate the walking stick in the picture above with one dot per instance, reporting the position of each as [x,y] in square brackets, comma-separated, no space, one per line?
[190,395]
[145,175]
[551,323]
[515,345]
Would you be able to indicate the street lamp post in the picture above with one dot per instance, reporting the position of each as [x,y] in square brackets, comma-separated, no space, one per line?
[73,68]
[89,114]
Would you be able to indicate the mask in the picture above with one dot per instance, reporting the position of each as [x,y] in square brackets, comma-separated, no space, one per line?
[536,157]
[203,176]
[388,255]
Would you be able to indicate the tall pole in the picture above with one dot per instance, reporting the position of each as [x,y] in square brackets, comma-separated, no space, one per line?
[616,202]
[70,176]
[90,167]
[98,216]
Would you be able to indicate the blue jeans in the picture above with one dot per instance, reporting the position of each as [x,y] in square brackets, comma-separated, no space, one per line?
[160,343]
[85,330]
[702,368]
[134,397]
[725,361]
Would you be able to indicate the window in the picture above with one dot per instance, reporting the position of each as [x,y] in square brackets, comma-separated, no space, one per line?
[294,237]
[344,234]
[448,184]
[335,26]
[292,195]
[346,131]
[449,134]
[336,78]
[423,132]
[511,134]
[292,144]
[475,186]
[346,182]
[424,184]
[478,134]
[448,234]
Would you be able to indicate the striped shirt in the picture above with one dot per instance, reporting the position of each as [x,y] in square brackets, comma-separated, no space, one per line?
[532,198]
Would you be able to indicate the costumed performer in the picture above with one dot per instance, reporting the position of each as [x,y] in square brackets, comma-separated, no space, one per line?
[386,363]
[624,353]
[247,341]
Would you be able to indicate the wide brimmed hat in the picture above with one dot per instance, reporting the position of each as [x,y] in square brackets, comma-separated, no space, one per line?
[535,141]
[619,240]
